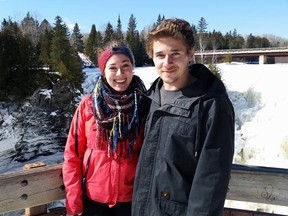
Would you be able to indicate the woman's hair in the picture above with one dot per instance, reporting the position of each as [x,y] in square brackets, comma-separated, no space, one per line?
[176,28]
[112,48]
[111,44]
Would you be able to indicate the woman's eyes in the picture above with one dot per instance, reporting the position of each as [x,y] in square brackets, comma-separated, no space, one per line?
[126,66]
[123,67]
[113,68]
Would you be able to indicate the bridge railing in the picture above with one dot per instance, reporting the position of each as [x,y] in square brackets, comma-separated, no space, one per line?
[33,188]
[243,51]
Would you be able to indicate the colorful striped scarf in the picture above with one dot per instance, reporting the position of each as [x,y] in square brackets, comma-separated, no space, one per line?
[118,115]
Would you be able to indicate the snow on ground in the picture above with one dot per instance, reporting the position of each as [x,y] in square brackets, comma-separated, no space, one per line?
[263,137]
[259,96]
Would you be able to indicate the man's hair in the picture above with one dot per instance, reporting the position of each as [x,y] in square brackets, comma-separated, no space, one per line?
[176,28]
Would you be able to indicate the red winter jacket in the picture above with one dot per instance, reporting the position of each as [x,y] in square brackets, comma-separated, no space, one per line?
[109,180]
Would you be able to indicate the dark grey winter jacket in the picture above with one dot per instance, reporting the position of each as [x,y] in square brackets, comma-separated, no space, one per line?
[185,162]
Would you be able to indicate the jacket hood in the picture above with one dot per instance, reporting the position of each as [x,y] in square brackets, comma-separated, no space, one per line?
[207,84]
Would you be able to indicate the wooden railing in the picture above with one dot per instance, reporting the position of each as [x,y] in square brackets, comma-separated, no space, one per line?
[258,185]
[33,188]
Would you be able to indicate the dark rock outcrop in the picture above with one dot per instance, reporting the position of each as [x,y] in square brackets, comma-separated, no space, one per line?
[40,124]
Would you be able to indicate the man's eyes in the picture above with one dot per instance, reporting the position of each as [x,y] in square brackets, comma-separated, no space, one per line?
[176,54]
[173,55]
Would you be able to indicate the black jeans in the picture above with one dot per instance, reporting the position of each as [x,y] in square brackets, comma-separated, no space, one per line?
[92,208]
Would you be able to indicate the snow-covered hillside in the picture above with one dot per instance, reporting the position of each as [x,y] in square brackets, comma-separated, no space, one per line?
[259,96]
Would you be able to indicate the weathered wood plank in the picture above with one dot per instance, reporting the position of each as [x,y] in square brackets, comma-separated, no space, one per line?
[259,185]
[240,212]
[30,188]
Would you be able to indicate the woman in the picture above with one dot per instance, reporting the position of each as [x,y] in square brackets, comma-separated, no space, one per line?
[104,140]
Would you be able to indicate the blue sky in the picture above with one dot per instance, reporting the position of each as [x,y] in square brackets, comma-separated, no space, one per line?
[247,16]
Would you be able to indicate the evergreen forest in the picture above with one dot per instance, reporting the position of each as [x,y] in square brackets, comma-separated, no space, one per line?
[31,50]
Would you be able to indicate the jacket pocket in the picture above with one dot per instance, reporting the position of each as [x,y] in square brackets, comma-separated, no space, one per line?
[171,208]
[179,142]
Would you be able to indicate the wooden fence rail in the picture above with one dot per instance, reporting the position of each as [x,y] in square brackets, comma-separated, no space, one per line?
[259,185]
[33,189]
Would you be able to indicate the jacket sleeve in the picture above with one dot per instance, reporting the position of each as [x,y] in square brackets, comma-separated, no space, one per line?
[211,179]
[73,157]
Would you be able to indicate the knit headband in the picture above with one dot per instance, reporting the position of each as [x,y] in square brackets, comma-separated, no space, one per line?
[106,54]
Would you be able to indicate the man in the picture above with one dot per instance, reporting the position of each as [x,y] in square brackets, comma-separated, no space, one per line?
[185,162]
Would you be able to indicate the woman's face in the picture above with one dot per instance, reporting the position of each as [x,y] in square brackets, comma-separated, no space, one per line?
[119,72]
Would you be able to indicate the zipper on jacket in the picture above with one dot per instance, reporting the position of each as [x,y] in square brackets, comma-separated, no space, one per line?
[198,131]
[84,178]
[76,134]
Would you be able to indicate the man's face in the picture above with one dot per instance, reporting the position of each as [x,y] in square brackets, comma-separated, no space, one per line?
[171,62]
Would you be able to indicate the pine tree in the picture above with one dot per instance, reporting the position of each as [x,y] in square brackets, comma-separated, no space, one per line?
[202,39]
[202,25]
[44,46]
[251,41]
[132,35]
[118,34]
[92,43]
[141,56]
[131,30]
[215,40]
[29,27]
[44,25]
[60,46]
[76,39]
[194,29]
[146,60]
[16,57]
[228,40]
[63,58]
[134,42]
[237,40]
[108,34]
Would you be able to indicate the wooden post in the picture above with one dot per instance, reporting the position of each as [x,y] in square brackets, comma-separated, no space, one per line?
[37,210]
